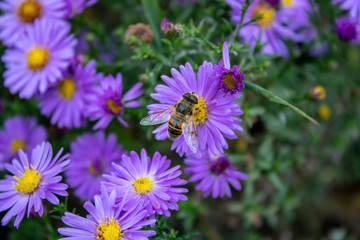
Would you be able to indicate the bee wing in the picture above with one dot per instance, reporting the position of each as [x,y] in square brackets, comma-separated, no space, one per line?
[190,133]
[158,117]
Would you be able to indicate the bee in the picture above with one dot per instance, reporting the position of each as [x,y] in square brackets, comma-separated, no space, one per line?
[180,118]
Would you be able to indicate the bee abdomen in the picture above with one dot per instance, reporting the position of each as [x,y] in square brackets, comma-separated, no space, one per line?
[174,132]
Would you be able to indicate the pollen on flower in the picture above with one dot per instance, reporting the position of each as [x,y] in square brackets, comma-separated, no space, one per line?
[267,12]
[67,88]
[113,106]
[29,181]
[38,58]
[287,3]
[30,10]
[232,82]
[229,81]
[143,186]
[109,230]
[16,145]
[200,113]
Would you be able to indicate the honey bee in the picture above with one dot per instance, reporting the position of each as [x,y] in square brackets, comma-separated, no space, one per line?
[180,119]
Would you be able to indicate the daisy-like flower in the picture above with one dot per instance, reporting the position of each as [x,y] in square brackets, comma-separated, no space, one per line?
[65,101]
[107,221]
[353,6]
[142,179]
[348,30]
[74,7]
[19,133]
[270,30]
[230,80]
[214,175]
[106,102]
[34,178]
[38,59]
[214,115]
[91,156]
[19,15]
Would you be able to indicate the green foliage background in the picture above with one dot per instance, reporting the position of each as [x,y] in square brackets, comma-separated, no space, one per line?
[303,179]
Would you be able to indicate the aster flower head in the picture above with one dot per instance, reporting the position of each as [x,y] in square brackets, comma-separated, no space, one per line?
[20,15]
[348,30]
[65,101]
[19,133]
[273,27]
[34,178]
[214,115]
[38,59]
[91,156]
[352,6]
[106,102]
[107,220]
[149,181]
[231,81]
[74,7]
[214,175]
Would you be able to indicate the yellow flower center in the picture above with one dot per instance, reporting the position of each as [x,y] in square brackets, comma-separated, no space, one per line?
[229,81]
[267,12]
[287,3]
[324,113]
[200,113]
[29,181]
[67,88]
[110,230]
[319,92]
[30,10]
[38,58]
[113,107]
[16,145]
[143,186]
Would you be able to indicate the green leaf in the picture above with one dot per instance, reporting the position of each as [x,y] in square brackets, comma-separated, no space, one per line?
[272,97]
[152,13]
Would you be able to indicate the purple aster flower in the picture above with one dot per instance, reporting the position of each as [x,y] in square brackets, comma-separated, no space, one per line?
[214,115]
[74,7]
[65,101]
[231,81]
[91,156]
[38,58]
[270,30]
[295,14]
[353,6]
[214,175]
[142,179]
[348,30]
[36,178]
[106,101]
[20,15]
[19,133]
[107,220]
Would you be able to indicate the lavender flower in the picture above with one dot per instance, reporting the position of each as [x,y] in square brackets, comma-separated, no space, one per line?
[36,178]
[91,156]
[353,6]
[141,179]
[106,101]
[213,175]
[19,133]
[74,7]
[65,101]
[230,80]
[18,16]
[215,115]
[348,30]
[274,26]
[107,220]
[37,60]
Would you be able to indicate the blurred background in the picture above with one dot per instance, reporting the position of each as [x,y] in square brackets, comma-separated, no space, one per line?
[304,180]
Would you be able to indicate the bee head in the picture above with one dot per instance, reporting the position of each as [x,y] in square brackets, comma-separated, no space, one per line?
[191,97]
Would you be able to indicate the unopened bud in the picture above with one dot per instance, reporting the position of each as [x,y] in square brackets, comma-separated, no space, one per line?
[324,113]
[318,93]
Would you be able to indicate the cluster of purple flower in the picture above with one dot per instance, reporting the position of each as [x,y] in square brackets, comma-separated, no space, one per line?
[348,26]
[41,62]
